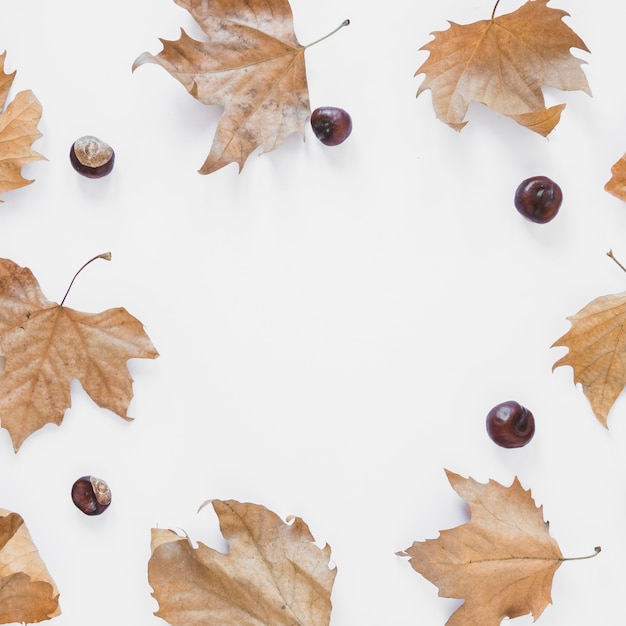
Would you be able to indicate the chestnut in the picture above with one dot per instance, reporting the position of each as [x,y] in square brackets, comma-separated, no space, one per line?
[92,157]
[91,495]
[331,125]
[510,425]
[538,199]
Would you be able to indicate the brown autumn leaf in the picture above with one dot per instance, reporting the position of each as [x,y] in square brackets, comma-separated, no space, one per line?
[503,63]
[616,185]
[273,574]
[597,351]
[251,64]
[27,592]
[18,131]
[46,345]
[501,562]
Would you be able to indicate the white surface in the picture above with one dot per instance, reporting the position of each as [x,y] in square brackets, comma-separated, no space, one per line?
[333,323]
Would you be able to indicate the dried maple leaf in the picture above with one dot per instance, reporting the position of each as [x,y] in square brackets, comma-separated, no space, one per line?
[617,183]
[252,64]
[503,62]
[273,575]
[501,562]
[46,345]
[27,592]
[18,131]
[597,351]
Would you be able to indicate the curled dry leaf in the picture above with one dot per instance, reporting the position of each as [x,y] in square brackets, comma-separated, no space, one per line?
[252,64]
[597,351]
[501,562]
[503,63]
[617,183]
[46,345]
[273,574]
[27,592]
[18,131]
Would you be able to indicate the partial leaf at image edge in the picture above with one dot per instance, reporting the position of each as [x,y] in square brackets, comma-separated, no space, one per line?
[273,573]
[501,562]
[503,63]
[27,592]
[18,131]
[616,185]
[597,351]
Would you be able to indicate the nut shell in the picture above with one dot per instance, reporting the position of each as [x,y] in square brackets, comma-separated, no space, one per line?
[91,495]
[92,157]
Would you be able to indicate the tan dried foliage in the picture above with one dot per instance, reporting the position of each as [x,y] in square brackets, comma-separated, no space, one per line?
[27,592]
[251,64]
[503,63]
[501,562]
[47,345]
[597,351]
[616,185]
[273,574]
[18,132]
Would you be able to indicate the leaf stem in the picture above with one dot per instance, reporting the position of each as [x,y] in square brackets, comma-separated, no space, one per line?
[612,256]
[105,255]
[493,13]
[344,23]
[597,551]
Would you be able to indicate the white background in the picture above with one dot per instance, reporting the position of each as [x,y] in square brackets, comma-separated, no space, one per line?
[333,323]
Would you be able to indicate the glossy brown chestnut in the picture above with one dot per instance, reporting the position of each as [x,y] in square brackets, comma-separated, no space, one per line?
[331,125]
[538,199]
[92,157]
[91,495]
[510,425]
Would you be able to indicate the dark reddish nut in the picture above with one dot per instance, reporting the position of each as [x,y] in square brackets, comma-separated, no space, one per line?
[331,125]
[538,199]
[91,495]
[92,157]
[510,425]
